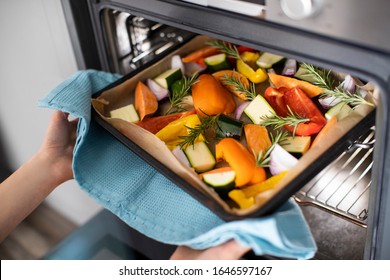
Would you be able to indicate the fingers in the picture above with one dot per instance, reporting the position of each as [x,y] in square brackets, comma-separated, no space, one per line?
[230,250]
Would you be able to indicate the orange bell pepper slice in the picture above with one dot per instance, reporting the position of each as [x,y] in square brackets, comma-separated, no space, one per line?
[239,158]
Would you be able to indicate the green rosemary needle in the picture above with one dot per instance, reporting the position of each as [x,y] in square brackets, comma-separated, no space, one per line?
[229,49]
[277,121]
[263,160]
[342,95]
[322,79]
[238,86]
[177,94]
[194,132]
[318,77]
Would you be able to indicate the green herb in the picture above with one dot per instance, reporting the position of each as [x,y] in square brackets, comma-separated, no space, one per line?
[263,160]
[180,91]
[229,49]
[342,95]
[322,79]
[194,132]
[277,121]
[238,86]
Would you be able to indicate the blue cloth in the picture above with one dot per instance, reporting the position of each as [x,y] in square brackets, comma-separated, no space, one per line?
[147,201]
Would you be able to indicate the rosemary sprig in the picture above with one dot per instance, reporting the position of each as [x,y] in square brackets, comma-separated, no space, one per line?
[229,49]
[278,121]
[194,132]
[347,97]
[176,98]
[238,86]
[322,79]
[263,160]
[319,77]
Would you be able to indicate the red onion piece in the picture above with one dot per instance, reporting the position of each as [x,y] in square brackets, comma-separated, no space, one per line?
[180,155]
[328,102]
[192,67]
[281,160]
[240,109]
[157,90]
[290,67]
[349,84]
[271,71]
[176,62]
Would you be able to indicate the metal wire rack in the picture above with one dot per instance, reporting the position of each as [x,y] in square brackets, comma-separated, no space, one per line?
[342,188]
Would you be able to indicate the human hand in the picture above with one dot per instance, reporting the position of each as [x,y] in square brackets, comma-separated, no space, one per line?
[230,250]
[58,145]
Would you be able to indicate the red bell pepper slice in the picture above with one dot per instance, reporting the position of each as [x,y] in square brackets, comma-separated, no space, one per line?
[155,124]
[242,49]
[283,100]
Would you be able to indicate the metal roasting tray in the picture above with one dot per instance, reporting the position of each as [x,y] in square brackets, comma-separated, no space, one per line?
[305,179]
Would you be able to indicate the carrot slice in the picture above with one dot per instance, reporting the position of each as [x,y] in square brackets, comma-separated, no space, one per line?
[257,138]
[200,53]
[145,101]
[282,81]
[220,76]
[325,130]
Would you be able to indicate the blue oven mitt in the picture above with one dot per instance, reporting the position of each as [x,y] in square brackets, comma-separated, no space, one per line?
[149,202]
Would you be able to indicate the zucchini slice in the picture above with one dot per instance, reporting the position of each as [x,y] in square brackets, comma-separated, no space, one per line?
[340,111]
[200,157]
[167,78]
[217,62]
[267,60]
[126,113]
[228,127]
[297,144]
[258,108]
[222,182]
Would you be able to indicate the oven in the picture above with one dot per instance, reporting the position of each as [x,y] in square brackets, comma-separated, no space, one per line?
[347,203]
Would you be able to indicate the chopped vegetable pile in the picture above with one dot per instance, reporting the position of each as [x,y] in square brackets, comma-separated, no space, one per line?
[240,118]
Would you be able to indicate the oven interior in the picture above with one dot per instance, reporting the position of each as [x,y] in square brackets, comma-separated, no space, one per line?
[336,202]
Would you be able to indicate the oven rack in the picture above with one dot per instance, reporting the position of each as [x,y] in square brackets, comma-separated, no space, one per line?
[342,188]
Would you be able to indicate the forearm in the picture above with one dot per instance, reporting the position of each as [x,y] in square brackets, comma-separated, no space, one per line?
[24,190]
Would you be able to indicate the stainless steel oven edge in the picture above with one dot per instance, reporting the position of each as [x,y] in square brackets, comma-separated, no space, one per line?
[366,62]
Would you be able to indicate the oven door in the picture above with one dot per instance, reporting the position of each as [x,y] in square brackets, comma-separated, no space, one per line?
[338,46]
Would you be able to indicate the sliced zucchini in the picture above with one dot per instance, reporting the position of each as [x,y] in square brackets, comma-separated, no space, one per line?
[296,144]
[222,182]
[340,111]
[302,74]
[167,78]
[258,108]
[267,60]
[228,127]
[200,157]
[217,62]
[126,113]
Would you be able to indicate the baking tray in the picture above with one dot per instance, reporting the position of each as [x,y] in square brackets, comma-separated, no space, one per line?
[292,183]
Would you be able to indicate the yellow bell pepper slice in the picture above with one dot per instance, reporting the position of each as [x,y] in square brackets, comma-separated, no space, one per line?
[245,197]
[250,57]
[258,76]
[180,127]
[239,197]
[266,185]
